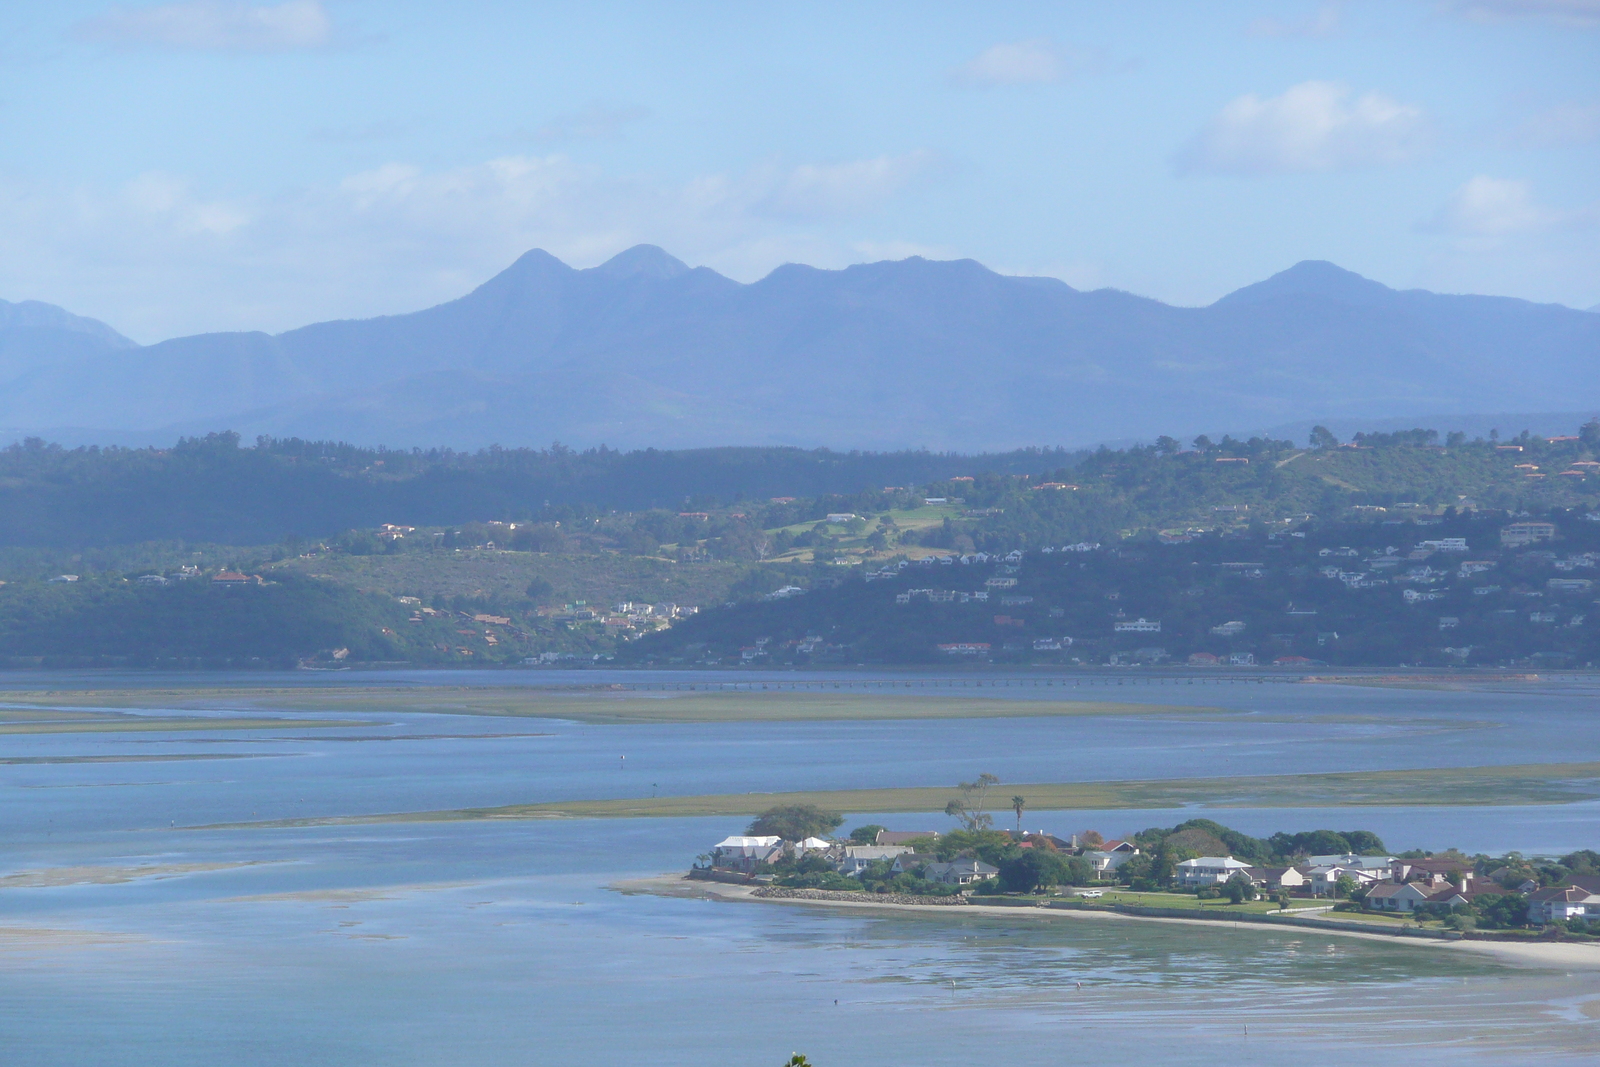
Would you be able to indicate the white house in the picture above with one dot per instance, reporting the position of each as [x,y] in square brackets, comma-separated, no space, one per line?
[1105,864]
[1396,896]
[1209,870]
[744,853]
[1560,903]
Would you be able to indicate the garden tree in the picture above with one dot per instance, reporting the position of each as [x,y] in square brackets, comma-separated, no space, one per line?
[866,835]
[795,822]
[1499,910]
[1322,437]
[1239,888]
[1283,898]
[797,1060]
[990,846]
[1343,887]
[1137,870]
[1165,858]
[1584,861]
[1197,842]
[969,808]
[1091,839]
[1034,869]
[1017,804]
[1233,842]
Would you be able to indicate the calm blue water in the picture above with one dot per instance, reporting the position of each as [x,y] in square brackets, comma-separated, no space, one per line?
[499,943]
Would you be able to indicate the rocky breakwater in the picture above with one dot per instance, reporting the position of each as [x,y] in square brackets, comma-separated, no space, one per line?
[782,893]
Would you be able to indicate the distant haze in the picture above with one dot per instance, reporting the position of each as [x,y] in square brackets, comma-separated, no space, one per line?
[644,351]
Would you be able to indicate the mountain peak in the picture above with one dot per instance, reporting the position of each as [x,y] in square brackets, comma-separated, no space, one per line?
[642,261]
[36,314]
[1312,277]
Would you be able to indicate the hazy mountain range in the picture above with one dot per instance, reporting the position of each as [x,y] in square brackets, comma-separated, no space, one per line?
[645,351]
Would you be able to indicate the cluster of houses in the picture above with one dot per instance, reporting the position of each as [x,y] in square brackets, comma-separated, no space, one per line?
[745,855]
[1390,884]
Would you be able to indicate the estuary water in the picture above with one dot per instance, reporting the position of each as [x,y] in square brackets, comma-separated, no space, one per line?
[128,937]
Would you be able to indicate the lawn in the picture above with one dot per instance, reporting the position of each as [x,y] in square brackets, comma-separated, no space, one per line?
[1188,901]
[914,519]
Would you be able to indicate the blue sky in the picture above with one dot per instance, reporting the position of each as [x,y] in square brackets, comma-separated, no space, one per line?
[236,164]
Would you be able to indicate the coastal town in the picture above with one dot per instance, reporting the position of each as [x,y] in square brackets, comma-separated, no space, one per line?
[1198,869]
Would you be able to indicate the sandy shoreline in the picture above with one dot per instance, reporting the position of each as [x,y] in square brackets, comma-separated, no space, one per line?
[1558,956]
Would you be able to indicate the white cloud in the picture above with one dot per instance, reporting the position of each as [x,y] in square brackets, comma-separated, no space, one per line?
[1034,62]
[1584,13]
[1324,22]
[1312,126]
[214,25]
[157,257]
[1492,207]
[1564,124]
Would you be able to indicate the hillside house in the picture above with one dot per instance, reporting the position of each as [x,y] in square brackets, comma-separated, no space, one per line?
[1526,533]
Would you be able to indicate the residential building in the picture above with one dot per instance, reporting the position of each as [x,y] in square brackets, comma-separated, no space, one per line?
[858,858]
[960,872]
[746,853]
[1560,903]
[1140,625]
[1209,870]
[1435,872]
[908,862]
[1105,864]
[1275,878]
[1526,533]
[1396,896]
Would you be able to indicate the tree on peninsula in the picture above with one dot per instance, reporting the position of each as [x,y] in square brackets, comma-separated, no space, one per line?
[795,822]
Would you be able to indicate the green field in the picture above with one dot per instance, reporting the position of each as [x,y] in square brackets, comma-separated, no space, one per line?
[502,576]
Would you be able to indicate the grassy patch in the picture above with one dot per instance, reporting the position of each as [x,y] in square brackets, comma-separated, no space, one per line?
[600,706]
[28,721]
[1218,908]
[1539,783]
[504,576]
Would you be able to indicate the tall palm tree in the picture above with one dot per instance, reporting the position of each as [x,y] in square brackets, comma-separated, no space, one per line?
[1017,804]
